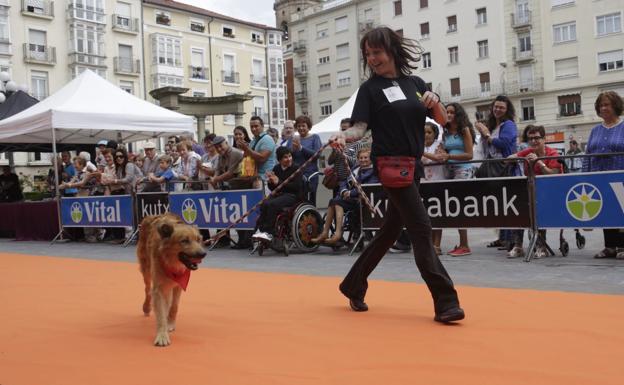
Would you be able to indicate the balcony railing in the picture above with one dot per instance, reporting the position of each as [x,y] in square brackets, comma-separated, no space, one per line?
[5,46]
[198,73]
[258,80]
[127,65]
[127,24]
[299,46]
[41,8]
[230,77]
[301,71]
[490,90]
[87,59]
[76,11]
[366,26]
[519,20]
[39,54]
[520,56]
[301,96]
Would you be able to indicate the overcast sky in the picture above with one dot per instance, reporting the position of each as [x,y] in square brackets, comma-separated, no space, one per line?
[257,11]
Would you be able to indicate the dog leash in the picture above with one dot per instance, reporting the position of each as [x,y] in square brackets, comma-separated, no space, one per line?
[212,241]
[358,186]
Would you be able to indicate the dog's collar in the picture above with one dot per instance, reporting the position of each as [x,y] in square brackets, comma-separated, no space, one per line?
[181,279]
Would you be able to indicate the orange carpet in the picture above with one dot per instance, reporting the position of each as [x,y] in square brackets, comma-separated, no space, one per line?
[71,321]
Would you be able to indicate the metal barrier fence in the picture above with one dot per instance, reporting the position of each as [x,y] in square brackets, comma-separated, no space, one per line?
[578,200]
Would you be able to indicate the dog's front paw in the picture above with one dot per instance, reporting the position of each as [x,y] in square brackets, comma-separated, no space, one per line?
[162,339]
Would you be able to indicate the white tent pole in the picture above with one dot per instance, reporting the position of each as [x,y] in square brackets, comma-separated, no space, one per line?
[57,193]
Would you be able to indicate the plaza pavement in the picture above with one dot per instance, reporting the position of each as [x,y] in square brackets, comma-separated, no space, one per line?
[486,267]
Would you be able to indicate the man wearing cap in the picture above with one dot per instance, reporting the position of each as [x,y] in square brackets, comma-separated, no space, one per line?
[150,166]
[228,166]
[99,157]
[574,164]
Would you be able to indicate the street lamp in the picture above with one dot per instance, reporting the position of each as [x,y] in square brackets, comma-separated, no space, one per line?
[8,86]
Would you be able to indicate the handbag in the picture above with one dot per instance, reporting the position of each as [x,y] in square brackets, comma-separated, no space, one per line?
[396,171]
[330,178]
[494,170]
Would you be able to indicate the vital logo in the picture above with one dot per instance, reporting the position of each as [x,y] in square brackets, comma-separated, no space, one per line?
[189,211]
[584,202]
[76,212]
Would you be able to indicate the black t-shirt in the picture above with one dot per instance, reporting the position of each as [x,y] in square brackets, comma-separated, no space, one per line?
[397,127]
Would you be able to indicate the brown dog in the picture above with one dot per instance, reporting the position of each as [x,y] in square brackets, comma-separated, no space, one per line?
[168,250]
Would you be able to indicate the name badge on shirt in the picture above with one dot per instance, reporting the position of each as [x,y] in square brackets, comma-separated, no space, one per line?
[394,93]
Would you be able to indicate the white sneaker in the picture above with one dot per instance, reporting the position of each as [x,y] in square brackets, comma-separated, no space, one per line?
[259,235]
[541,253]
[516,252]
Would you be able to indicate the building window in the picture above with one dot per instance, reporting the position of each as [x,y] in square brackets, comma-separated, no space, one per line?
[455,88]
[424,30]
[342,24]
[343,78]
[198,68]
[368,14]
[484,80]
[321,30]
[564,32]
[342,51]
[607,24]
[452,24]
[37,44]
[197,26]
[324,83]
[167,50]
[483,113]
[557,3]
[39,84]
[481,16]
[528,109]
[163,18]
[569,105]
[228,31]
[398,8]
[566,68]
[483,49]
[424,3]
[326,108]
[524,42]
[453,55]
[610,61]
[256,37]
[323,56]
[127,86]
[258,77]
[426,58]
[229,69]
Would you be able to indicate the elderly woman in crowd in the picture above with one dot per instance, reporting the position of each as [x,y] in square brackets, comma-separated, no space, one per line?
[607,137]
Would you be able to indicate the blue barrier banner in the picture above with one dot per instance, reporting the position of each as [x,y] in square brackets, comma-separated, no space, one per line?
[586,200]
[216,209]
[98,211]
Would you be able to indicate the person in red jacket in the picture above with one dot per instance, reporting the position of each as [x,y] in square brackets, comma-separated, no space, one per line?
[536,136]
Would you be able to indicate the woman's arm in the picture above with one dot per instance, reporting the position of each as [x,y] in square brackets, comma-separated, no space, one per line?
[468,144]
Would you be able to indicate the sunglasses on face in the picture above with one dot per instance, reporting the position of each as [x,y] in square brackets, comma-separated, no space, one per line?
[119,156]
[530,138]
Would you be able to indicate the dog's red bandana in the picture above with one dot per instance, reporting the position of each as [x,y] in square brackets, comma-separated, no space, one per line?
[181,279]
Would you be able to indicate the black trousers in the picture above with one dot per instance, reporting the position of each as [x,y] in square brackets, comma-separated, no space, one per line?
[271,209]
[405,208]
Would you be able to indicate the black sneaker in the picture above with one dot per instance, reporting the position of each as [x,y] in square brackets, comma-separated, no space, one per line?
[358,305]
[400,248]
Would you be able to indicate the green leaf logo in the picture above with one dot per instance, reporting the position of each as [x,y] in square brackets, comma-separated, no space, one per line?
[76,212]
[189,211]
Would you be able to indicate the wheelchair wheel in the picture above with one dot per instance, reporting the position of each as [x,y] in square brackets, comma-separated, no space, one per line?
[564,248]
[307,223]
[580,241]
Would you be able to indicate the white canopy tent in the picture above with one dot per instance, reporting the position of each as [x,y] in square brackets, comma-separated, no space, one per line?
[331,124]
[89,109]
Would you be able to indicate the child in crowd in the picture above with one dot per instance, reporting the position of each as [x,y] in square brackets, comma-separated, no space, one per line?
[434,153]
[164,173]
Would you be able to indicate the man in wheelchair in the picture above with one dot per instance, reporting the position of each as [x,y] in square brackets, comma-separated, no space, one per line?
[347,199]
[288,196]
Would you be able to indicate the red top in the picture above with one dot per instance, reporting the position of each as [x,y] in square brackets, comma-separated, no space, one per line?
[550,163]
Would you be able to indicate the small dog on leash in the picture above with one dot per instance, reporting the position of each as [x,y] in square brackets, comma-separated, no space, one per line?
[168,250]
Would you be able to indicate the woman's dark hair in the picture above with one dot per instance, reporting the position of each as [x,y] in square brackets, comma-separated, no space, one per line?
[405,52]
[614,98]
[509,115]
[436,131]
[525,133]
[461,120]
[303,119]
[245,134]
[118,166]
[280,152]
[539,129]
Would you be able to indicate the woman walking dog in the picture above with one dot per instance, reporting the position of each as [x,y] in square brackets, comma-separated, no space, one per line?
[393,105]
